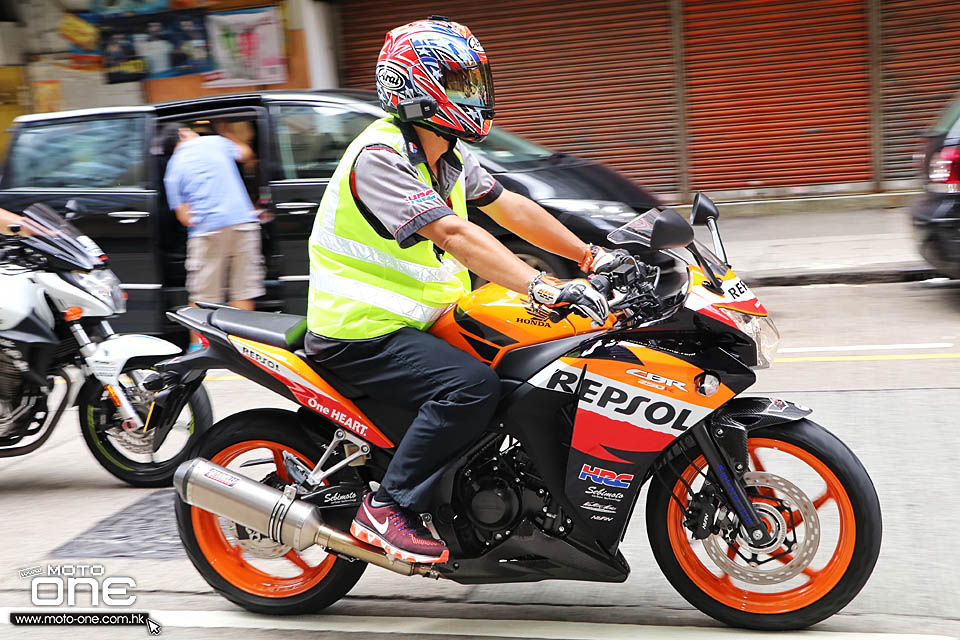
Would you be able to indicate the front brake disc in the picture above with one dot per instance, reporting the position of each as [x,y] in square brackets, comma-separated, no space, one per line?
[772,570]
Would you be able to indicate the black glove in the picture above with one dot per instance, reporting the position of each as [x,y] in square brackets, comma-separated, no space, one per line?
[579,296]
[600,260]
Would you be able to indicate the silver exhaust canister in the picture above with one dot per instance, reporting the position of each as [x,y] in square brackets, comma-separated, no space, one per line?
[276,514]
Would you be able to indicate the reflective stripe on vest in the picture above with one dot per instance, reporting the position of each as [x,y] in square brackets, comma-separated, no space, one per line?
[363,285]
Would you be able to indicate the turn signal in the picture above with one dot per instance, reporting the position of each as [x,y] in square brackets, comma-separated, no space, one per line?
[707,384]
[113,394]
[73,313]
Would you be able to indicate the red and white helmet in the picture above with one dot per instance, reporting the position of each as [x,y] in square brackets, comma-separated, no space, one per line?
[441,60]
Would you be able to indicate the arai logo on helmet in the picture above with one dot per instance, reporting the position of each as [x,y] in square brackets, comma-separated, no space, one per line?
[474,44]
[390,78]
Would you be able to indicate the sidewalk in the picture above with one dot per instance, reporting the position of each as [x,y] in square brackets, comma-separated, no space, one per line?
[861,246]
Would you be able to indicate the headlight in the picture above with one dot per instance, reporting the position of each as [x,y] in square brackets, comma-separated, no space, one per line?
[593,208]
[762,331]
[103,285]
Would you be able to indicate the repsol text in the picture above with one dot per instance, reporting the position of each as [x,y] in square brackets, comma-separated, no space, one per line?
[604,396]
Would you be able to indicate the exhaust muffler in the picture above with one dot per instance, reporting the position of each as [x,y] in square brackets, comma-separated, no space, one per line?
[276,514]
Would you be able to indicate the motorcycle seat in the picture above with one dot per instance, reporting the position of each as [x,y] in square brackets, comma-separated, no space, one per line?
[345,389]
[282,330]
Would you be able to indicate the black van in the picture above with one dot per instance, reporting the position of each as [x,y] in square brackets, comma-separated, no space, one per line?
[104,158]
[936,214]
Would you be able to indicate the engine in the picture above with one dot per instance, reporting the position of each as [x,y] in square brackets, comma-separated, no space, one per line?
[10,377]
[17,409]
[497,489]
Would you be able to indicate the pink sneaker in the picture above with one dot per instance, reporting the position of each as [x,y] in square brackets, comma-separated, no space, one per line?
[398,534]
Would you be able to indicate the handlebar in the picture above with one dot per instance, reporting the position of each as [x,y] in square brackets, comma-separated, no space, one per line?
[603,284]
[631,291]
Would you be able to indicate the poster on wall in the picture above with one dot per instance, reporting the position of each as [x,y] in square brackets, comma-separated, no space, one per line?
[47,96]
[155,46]
[126,7]
[56,85]
[82,34]
[247,48]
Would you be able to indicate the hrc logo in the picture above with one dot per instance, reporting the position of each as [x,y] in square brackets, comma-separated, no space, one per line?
[603,476]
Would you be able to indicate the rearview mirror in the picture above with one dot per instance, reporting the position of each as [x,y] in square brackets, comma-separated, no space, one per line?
[74,209]
[670,231]
[703,209]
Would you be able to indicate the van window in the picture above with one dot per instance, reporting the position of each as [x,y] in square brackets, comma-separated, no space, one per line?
[88,153]
[311,138]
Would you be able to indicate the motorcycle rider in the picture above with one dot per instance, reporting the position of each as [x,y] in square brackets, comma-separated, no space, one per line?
[389,252]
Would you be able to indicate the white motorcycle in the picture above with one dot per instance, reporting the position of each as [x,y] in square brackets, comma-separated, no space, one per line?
[57,349]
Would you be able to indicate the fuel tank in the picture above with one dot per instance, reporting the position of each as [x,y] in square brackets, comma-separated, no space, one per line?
[492,320]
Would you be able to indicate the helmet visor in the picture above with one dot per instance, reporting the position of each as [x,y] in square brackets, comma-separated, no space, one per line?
[470,85]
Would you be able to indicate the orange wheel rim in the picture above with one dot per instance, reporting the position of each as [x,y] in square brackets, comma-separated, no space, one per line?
[228,560]
[721,588]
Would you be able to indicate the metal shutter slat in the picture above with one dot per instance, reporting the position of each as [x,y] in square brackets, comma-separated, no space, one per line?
[920,76]
[777,94]
[594,79]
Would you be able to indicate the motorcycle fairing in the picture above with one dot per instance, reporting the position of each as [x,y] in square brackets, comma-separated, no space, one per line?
[528,552]
[309,389]
[632,402]
[491,321]
[736,296]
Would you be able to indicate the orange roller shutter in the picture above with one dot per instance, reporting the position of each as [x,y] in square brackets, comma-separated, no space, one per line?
[921,75]
[590,78]
[777,93]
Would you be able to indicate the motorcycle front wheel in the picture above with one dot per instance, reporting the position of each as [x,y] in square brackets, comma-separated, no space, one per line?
[128,453]
[815,498]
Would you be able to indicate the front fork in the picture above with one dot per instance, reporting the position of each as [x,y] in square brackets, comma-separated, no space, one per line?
[131,419]
[725,449]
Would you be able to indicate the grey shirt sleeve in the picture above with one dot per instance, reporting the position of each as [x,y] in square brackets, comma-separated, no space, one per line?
[390,187]
[480,187]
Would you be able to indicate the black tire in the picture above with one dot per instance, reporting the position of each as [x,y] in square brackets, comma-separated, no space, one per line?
[847,579]
[280,427]
[96,413]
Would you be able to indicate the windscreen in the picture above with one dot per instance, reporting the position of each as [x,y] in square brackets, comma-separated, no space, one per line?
[637,230]
[52,234]
[640,229]
[506,148]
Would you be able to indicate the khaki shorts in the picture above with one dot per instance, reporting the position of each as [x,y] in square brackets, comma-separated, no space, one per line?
[228,256]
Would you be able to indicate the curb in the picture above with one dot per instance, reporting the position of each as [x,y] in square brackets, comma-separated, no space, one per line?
[911,272]
[811,204]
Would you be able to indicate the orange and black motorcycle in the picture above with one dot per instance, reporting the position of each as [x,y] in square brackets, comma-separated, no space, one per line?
[758,516]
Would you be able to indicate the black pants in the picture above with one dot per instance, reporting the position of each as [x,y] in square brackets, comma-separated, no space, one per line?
[454,394]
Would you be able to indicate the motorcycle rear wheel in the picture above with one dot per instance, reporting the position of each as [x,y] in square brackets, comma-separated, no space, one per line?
[829,518]
[263,577]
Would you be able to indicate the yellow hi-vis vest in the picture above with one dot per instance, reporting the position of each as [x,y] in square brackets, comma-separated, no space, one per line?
[363,285]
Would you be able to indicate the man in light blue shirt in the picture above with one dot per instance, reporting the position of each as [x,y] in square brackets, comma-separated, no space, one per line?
[205,189]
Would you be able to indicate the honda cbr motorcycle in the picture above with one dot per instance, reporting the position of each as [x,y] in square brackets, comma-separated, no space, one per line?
[758,516]
[57,349]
